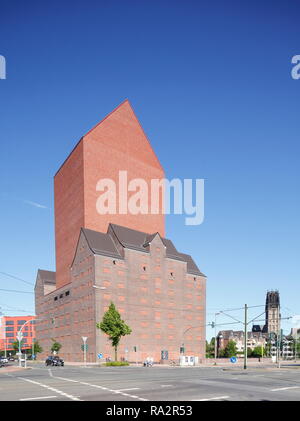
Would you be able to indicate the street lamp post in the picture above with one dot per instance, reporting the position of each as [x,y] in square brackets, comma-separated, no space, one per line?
[216,314]
[97,310]
[84,338]
[20,337]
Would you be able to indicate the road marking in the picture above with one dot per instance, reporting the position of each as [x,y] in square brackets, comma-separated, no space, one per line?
[68,380]
[41,397]
[73,398]
[285,388]
[211,399]
[166,385]
[113,391]
[124,390]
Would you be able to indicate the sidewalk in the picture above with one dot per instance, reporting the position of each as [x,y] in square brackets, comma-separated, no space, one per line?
[11,368]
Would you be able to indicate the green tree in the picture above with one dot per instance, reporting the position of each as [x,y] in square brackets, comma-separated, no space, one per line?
[258,352]
[249,353]
[210,348]
[56,346]
[15,346]
[113,326]
[230,349]
[37,348]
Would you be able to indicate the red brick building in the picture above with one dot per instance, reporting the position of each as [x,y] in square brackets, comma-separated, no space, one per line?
[10,326]
[123,258]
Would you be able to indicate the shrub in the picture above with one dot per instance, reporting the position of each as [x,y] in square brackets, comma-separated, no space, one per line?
[116,363]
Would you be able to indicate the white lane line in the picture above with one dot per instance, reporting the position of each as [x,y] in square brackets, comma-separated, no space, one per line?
[68,380]
[73,398]
[125,390]
[120,391]
[113,391]
[41,397]
[285,388]
[166,385]
[211,399]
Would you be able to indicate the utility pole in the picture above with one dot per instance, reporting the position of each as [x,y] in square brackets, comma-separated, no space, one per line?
[278,338]
[216,336]
[245,338]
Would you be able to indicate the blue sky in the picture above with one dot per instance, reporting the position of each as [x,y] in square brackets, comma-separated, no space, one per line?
[211,84]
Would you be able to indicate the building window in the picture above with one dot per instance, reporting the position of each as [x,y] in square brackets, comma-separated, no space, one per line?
[114,262]
[9,335]
[9,322]
[9,328]
[55,298]
[21,322]
[61,295]
[67,293]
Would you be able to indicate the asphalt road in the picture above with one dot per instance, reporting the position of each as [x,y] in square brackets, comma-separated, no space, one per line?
[139,384]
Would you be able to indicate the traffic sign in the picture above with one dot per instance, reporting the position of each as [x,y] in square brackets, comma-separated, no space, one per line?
[84,347]
[100,356]
[233,359]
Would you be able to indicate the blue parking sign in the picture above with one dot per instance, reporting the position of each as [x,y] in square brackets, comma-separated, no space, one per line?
[233,359]
[100,356]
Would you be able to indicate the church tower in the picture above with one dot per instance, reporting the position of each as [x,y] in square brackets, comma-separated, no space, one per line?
[272,312]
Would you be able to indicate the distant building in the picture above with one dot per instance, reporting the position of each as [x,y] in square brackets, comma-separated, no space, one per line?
[9,327]
[260,334]
[254,339]
[272,312]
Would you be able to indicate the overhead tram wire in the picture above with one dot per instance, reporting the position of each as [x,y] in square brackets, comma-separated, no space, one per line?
[15,277]
[14,290]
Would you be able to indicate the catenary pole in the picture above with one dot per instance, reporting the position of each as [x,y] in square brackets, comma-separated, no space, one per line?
[245,339]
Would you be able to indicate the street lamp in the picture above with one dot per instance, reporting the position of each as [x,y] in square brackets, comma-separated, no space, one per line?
[84,338]
[216,314]
[97,311]
[20,337]
[296,337]
[218,338]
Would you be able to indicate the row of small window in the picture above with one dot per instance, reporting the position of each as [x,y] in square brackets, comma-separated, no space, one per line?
[61,295]
[12,328]
[12,322]
[11,335]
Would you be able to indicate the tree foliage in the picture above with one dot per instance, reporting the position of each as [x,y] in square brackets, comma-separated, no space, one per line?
[210,348]
[56,346]
[113,326]
[37,348]
[15,346]
[229,351]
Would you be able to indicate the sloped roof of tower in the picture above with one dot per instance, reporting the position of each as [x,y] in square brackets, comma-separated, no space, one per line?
[125,124]
[121,130]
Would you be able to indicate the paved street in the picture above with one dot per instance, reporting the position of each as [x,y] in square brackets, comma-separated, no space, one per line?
[133,383]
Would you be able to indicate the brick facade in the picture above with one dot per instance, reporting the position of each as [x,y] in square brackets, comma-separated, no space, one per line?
[162,303]
[117,143]
[159,292]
